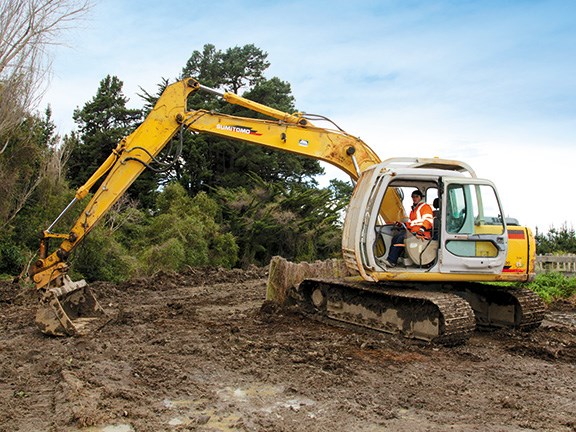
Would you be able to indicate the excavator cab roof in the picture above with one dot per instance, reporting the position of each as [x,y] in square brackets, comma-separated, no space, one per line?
[429,163]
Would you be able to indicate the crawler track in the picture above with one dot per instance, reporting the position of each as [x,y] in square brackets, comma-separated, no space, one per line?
[502,307]
[441,313]
[440,317]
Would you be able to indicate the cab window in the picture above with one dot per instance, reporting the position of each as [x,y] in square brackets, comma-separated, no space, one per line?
[473,209]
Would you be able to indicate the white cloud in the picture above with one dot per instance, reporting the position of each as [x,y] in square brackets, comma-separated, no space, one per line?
[485,82]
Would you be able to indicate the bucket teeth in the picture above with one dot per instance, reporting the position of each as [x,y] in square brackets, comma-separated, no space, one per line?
[68,310]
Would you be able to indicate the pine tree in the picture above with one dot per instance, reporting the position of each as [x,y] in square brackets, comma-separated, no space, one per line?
[102,123]
[217,162]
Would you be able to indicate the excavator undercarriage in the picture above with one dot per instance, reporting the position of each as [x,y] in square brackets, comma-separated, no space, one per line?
[441,313]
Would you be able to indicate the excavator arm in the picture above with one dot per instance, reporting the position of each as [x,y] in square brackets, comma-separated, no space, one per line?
[291,132]
[123,166]
[287,132]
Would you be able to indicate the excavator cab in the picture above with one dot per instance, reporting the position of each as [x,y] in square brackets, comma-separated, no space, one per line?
[469,235]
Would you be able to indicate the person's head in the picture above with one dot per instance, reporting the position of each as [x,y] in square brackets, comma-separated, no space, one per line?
[417,196]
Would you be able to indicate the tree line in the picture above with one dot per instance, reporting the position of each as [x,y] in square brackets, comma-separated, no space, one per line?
[559,241]
[219,202]
[213,202]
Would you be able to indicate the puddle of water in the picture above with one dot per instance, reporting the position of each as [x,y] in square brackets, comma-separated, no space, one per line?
[109,428]
[210,418]
[263,397]
[235,404]
[240,394]
[249,393]
[176,421]
[194,411]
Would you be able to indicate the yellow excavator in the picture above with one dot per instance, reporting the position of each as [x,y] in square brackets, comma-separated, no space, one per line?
[438,290]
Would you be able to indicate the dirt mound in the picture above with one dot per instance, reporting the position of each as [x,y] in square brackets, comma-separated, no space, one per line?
[566,305]
[20,293]
[202,350]
[8,291]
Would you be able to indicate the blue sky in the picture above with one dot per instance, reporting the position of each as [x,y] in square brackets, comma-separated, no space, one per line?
[492,83]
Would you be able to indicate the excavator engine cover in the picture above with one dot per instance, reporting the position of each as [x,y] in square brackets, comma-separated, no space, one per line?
[68,310]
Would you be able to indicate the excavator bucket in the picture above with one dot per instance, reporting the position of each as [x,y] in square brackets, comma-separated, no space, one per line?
[68,310]
[284,276]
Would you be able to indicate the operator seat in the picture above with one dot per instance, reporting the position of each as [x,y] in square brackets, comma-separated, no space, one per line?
[424,253]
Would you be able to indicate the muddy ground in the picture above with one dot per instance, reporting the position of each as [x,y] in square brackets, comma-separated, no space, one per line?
[197,351]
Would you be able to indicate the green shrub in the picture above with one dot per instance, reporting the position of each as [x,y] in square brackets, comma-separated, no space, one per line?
[12,258]
[224,251]
[553,286]
[187,231]
[102,258]
[168,256]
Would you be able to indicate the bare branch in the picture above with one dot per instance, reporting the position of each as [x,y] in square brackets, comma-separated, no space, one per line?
[124,211]
[27,28]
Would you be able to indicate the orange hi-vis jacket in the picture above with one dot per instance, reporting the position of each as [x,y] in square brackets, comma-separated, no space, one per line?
[421,216]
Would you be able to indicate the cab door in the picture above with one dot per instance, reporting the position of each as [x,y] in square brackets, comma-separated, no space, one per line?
[474,237]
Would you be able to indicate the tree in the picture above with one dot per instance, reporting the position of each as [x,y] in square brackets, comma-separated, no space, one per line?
[267,219]
[209,161]
[27,28]
[556,240]
[102,123]
[243,66]
[232,69]
[30,155]
[32,188]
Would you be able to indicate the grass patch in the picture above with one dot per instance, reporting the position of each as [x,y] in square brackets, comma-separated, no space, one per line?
[553,286]
[550,286]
